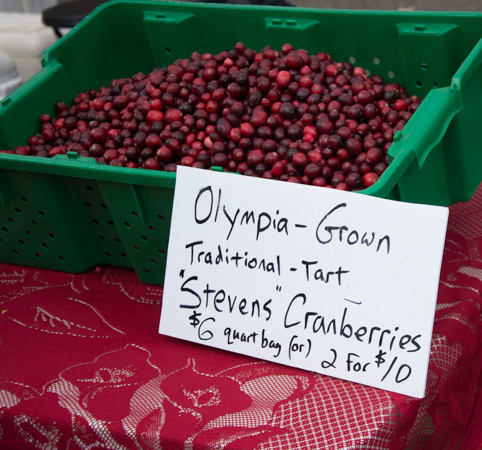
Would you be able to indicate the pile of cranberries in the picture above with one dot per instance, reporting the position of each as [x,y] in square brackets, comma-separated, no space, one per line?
[284,115]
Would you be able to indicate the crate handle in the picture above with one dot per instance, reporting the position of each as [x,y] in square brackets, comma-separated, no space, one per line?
[400,156]
[468,68]
[286,24]
[446,105]
[446,102]
[395,170]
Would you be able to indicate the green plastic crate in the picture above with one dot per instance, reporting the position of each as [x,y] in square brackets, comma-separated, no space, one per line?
[71,214]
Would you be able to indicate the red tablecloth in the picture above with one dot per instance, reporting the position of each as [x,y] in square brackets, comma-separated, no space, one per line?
[83,367]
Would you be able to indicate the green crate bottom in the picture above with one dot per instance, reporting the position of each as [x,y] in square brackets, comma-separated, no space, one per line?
[72,224]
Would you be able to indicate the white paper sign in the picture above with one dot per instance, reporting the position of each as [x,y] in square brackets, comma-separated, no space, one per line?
[333,282]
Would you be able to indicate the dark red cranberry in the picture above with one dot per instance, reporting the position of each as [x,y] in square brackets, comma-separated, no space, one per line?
[287,110]
[147,153]
[379,168]
[300,160]
[326,173]
[353,146]
[271,158]
[223,127]
[220,160]
[334,163]
[269,145]
[96,150]
[312,170]
[335,142]
[354,180]
[355,112]
[389,96]
[294,132]
[337,179]
[132,153]
[374,155]
[264,132]
[365,168]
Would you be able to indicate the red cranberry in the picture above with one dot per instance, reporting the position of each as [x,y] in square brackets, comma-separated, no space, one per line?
[98,135]
[259,118]
[318,181]
[151,164]
[342,187]
[153,140]
[173,115]
[278,168]
[332,106]
[344,132]
[246,129]
[300,160]
[342,154]
[55,151]
[271,158]
[155,116]
[220,160]
[255,157]
[314,156]
[110,154]
[187,161]
[325,126]
[331,70]
[293,60]
[365,97]
[369,179]
[374,155]
[96,150]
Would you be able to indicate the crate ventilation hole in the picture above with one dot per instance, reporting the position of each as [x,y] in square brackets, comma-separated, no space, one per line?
[145,239]
[18,210]
[100,216]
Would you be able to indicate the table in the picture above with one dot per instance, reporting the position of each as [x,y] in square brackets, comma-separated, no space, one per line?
[82,366]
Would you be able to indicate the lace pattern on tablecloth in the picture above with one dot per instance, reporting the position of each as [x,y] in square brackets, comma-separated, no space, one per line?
[83,367]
